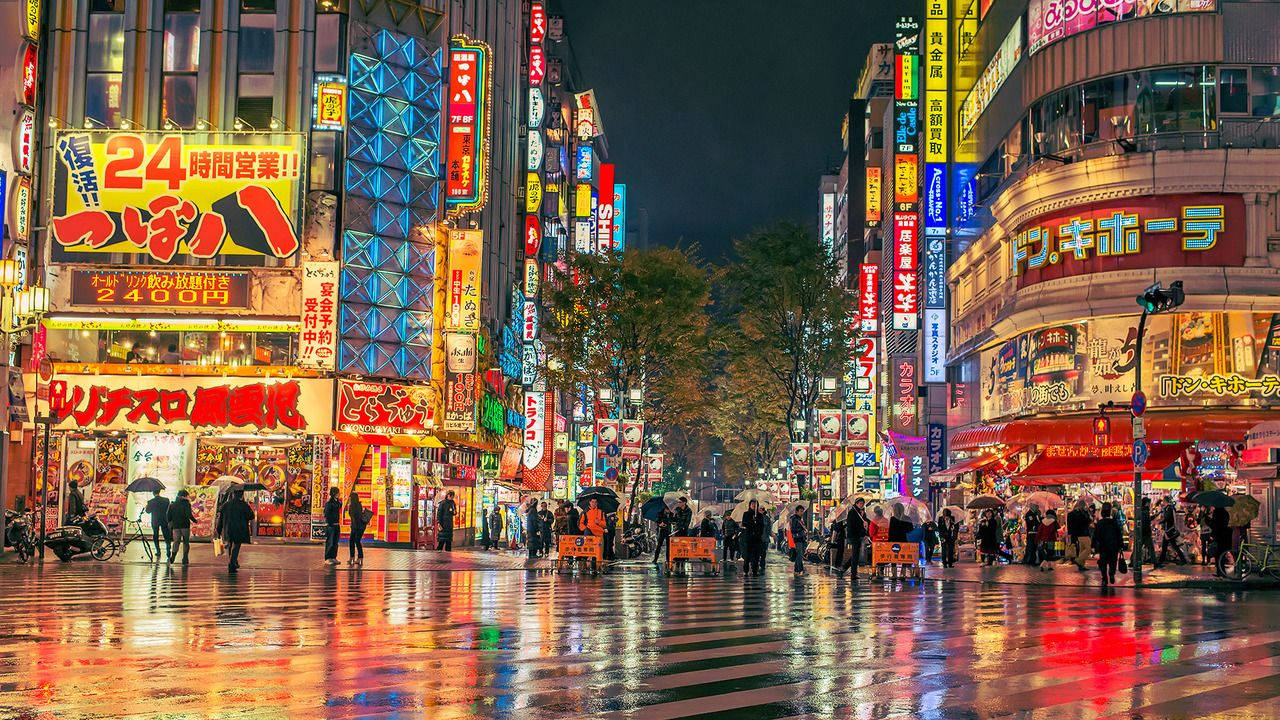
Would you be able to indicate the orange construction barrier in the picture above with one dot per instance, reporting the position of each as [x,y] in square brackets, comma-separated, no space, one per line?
[692,548]
[896,553]
[580,546]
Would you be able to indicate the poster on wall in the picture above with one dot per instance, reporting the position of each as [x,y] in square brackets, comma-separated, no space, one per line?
[1051,20]
[298,489]
[1204,360]
[318,336]
[463,310]
[469,89]
[165,195]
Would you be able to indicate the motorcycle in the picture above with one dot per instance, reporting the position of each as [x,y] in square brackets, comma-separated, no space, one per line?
[20,534]
[78,538]
[637,541]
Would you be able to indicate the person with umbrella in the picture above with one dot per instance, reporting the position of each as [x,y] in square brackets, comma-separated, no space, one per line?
[1221,524]
[1079,533]
[837,543]
[683,518]
[899,525]
[158,508]
[948,531]
[799,537]
[593,522]
[1108,540]
[180,519]
[496,524]
[444,523]
[729,531]
[332,525]
[989,537]
[233,526]
[533,533]
[755,529]
[1169,527]
[1148,545]
[857,530]
[664,522]
[1032,529]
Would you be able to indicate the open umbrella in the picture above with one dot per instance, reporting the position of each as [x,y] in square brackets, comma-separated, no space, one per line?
[1243,512]
[982,502]
[608,502]
[671,497]
[763,496]
[652,508]
[225,481]
[957,512]
[1046,500]
[741,508]
[1211,498]
[145,485]
[916,510]
[841,511]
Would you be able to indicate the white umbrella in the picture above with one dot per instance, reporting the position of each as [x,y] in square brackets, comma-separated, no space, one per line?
[957,512]
[763,496]
[1046,500]
[671,497]
[225,481]
[915,510]
[742,507]
[841,511]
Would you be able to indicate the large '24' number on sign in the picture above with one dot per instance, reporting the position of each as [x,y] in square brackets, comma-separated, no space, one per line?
[164,166]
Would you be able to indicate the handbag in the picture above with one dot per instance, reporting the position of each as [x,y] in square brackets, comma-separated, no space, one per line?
[217,546]
[1123,567]
[366,514]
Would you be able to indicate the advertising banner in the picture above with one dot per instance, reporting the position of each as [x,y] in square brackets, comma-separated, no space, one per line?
[463,311]
[869,298]
[538,410]
[872,218]
[1205,360]
[380,408]
[632,432]
[829,423]
[996,72]
[935,345]
[318,337]
[906,180]
[467,145]
[857,430]
[619,217]
[144,403]
[810,458]
[166,194]
[1205,230]
[608,432]
[903,384]
[1049,21]
[204,289]
[460,382]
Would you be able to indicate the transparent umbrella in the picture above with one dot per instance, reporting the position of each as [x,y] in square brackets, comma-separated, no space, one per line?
[763,496]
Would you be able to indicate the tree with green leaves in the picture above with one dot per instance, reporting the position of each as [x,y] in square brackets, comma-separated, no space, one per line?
[786,317]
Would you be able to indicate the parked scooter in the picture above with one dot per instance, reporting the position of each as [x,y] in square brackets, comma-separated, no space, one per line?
[77,538]
[20,534]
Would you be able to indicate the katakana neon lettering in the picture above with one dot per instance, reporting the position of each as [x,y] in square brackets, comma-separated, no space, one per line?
[1076,237]
[1118,234]
[1201,225]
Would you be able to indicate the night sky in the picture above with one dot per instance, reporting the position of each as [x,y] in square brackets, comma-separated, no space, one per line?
[721,115]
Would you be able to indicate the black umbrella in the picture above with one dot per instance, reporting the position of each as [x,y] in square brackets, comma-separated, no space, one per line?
[145,485]
[250,487]
[597,490]
[606,502]
[652,508]
[1211,498]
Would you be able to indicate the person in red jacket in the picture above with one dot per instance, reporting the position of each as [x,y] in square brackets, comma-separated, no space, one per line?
[1047,540]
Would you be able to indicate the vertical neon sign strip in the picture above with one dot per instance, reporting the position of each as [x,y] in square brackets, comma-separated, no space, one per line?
[470,109]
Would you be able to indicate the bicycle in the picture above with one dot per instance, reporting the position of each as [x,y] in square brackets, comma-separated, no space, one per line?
[1252,558]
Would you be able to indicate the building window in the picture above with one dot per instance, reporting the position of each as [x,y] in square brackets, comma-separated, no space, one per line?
[1233,90]
[1176,100]
[181,61]
[1265,91]
[329,43]
[257,60]
[104,64]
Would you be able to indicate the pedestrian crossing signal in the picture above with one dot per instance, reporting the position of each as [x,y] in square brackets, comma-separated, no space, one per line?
[1101,431]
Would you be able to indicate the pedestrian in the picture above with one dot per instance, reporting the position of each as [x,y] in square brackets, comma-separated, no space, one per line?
[593,523]
[1047,540]
[1108,541]
[76,508]
[158,508]
[1148,551]
[1169,526]
[572,527]
[683,518]
[485,537]
[610,532]
[1220,522]
[496,526]
[755,536]
[332,525]
[1204,519]
[1031,530]
[532,534]
[948,532]
[359,520]
[444,523]
[1079,534]
[546,524]
[879,525]
[798,537]
[561,519]
[930,538]
[989,531]
[857,530]
[729,532]
[899,525]
[180,519]
[664,522]
[233,527]
[837,545]
[707,528]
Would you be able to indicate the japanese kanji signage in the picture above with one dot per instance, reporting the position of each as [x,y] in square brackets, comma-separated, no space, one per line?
[165,195]
[460,382]
[906,290]
[869,298]
[538,409]
[174,404]
[318,336]
[1134,233]
[330,98]
[936,80]
[465,247]
[467,153]
[906,182]
[160,288]
[872,218]
[385,408]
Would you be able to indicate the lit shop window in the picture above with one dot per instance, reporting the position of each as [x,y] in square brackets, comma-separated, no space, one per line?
[257,59]
[159,347]
[181,61]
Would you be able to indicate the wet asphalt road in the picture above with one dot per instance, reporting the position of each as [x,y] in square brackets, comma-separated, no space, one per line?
[112,640]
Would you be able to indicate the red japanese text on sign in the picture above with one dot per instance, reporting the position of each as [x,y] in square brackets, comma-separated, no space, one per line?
[385,408]
[161,288]
[261,406]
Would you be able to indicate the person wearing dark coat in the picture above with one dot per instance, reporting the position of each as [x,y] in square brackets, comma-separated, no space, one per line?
[899,525]
[444,523]
[1108,541]
[233,527]
[1222,536]
[799,536]
[707,528]
[857,530]
[532,533]
[574,521]
[729,530]
[930,539]
[1079,533]
[546,520]
[1148,544]
[755,537]
[948,531]
[158,508]
[1169,525]
[989,537]
[1032,520]
[355,511]
[683,518]
[837,544]
[664,523]
[75,503]
[180,519]
[332,525]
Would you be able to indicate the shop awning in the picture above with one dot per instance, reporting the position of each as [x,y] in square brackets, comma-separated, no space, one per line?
[976,462]
[1175,426]
[1257,472]
[1061,470]
[393,440]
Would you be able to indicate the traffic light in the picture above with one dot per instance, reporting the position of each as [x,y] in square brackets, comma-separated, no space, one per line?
[1102,431]
[1156,299]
